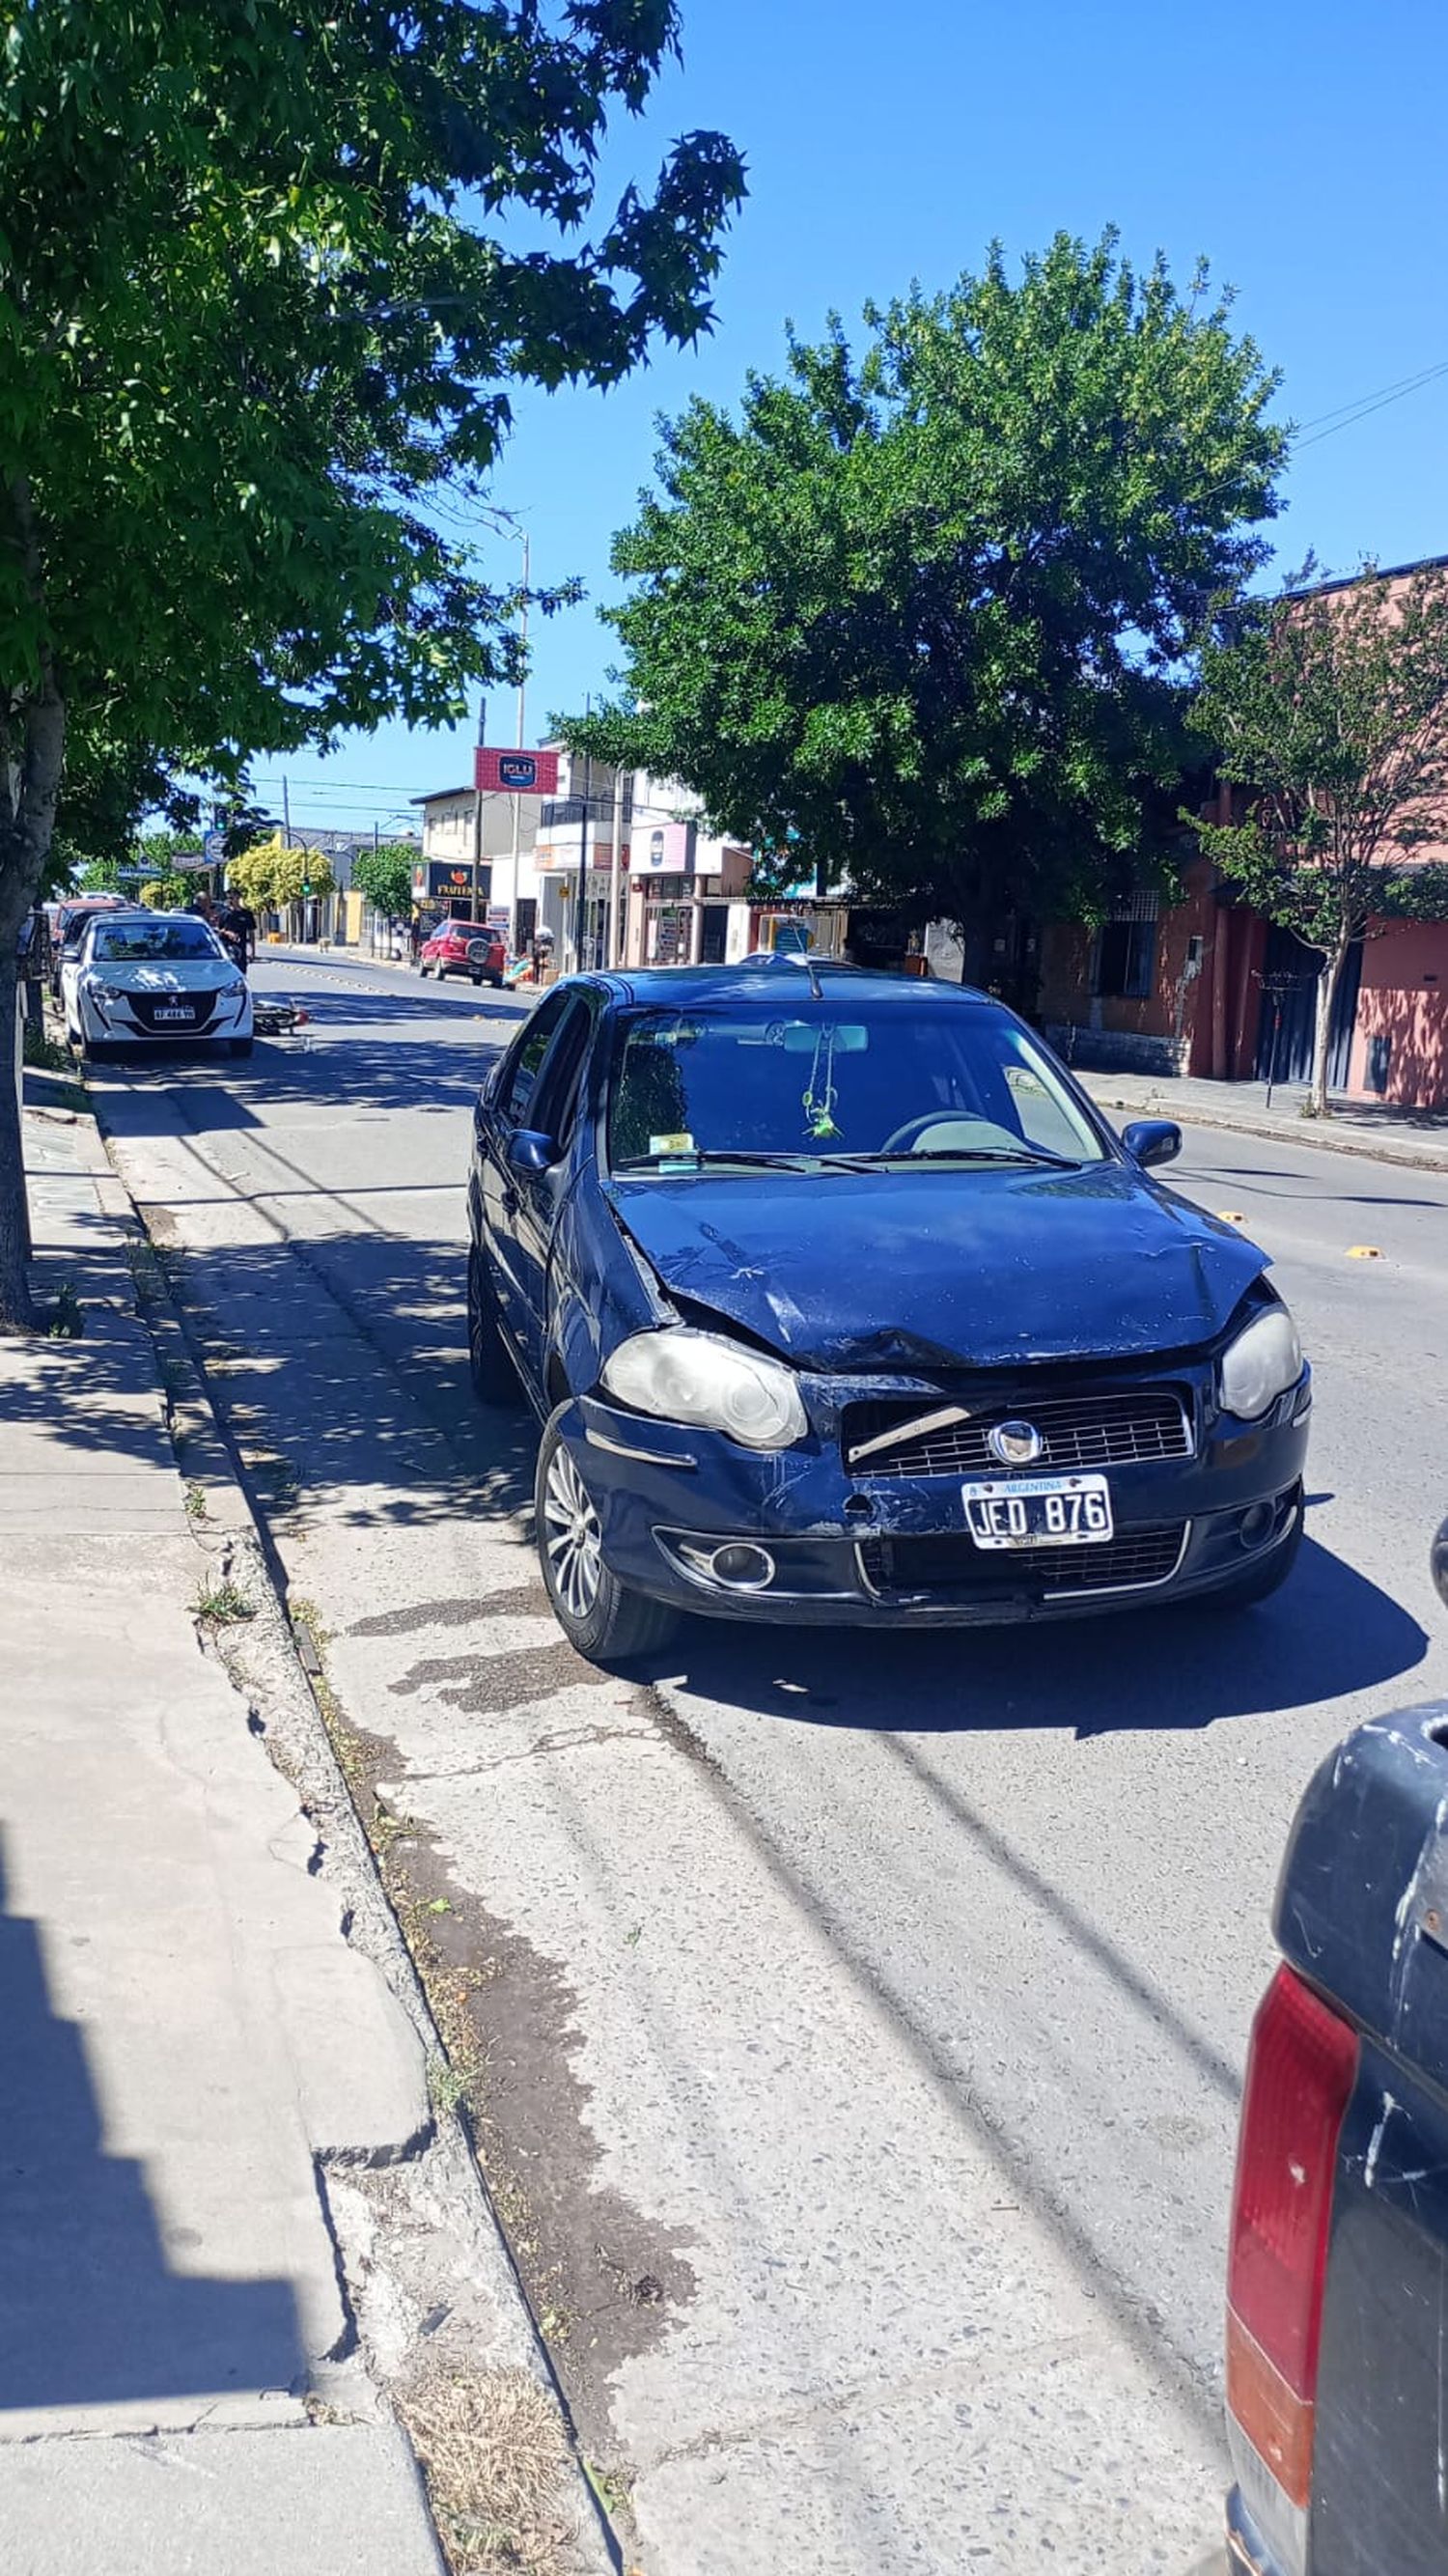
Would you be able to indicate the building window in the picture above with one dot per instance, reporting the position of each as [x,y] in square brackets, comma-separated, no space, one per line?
[1125,964]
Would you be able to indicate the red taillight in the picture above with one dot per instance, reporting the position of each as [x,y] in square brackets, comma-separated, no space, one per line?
[1301,2069]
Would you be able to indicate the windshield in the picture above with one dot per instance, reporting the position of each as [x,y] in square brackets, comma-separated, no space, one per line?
[146,942]
[846,1078]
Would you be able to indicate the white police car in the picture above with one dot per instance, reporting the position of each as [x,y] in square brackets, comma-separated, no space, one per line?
[140,978]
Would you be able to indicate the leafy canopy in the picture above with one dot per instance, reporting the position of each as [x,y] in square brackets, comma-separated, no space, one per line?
[1330,712]
[274,873]
[923,618]
[268,269]
[384,876]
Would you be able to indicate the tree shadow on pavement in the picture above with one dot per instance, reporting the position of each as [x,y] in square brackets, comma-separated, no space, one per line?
[1328,1633]
[91,2312]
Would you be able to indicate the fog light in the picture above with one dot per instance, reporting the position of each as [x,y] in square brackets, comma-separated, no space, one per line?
[1256,1525]
[741,1567]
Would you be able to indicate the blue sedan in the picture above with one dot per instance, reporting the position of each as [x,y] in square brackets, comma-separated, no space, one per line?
[838,1301]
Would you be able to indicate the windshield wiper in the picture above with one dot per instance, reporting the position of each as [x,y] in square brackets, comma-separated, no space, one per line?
[800,1160]
[1035,1155]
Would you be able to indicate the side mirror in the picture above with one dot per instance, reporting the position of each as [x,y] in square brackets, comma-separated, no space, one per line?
[1152,1140]
[1439,1562]
[530,1155]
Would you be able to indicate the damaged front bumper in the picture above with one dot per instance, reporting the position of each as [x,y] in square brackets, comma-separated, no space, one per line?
[794,1536]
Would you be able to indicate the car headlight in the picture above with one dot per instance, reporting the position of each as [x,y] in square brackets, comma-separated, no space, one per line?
[683,1376]
[232,992]
[1261,1364]
[107,992]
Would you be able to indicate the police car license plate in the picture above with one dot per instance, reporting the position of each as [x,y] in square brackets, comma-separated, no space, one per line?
[1038,1511]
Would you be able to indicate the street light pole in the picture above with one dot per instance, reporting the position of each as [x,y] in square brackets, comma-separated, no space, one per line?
[478,808]
[518,801]
[582,890]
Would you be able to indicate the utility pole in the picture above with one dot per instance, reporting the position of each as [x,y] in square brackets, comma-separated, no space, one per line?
[582,900]
[518,801]
[615,942]
[478,809]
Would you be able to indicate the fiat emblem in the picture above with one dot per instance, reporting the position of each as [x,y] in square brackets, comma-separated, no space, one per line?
[1014,1444]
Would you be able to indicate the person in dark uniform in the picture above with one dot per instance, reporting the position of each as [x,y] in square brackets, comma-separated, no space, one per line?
[237,926]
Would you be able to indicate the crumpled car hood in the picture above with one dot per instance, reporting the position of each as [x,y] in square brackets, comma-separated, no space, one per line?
[937,1270]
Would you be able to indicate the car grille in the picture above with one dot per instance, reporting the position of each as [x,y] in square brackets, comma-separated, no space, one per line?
[953,1568]
[1120,1427]
[146,1005]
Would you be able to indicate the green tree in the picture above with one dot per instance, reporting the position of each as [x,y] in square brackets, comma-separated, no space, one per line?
[384,876]
[1330,712]
[267,273]
[166,894]
[923,619]
[274,873]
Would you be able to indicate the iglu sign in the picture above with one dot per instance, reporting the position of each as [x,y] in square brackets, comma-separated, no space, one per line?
[515,773]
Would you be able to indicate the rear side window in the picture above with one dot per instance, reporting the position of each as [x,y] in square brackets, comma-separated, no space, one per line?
[516,1099]
[555,1101]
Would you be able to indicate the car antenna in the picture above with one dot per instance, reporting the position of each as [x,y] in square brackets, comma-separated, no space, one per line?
[804,958]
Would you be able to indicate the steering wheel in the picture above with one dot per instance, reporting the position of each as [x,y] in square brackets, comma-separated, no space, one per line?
[984,1131]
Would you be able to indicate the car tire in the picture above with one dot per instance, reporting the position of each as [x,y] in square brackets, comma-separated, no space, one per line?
[1263,1579]
[495,1380]
[497,983]
[475,979]
[601,1618]
[242,1046]
[93,1050]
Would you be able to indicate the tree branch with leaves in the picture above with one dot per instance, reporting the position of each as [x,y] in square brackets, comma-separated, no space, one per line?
[1329,713]
[923,618]
[267,275]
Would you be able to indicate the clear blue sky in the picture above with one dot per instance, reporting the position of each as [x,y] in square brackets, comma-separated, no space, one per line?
[1301,147]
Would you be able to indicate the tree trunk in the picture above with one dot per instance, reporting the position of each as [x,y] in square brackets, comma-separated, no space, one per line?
[1327,990]
[27,822]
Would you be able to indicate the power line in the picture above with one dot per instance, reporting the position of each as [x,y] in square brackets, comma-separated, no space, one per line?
[1382,394]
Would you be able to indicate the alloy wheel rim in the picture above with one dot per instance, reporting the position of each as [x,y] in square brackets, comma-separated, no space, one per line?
[571,1537]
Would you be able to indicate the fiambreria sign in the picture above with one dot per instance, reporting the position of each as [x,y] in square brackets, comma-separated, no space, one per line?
[515,773]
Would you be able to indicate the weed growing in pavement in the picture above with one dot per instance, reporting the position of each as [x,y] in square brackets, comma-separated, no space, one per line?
[221,1605]
[613,2488]
[66,1323]
[493,2452]
[195,1501]
[41,1051]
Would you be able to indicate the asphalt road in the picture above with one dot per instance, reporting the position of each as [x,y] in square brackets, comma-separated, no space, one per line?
[861,2018]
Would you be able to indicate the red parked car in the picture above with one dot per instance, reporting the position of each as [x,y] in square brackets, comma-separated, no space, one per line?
[464,948]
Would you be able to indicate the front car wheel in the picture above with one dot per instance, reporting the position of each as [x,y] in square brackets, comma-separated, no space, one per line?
[602,1620]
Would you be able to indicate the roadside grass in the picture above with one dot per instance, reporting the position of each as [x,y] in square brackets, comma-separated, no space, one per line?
[65,1322]
[42,1052]
[494,2456]
[222,1605]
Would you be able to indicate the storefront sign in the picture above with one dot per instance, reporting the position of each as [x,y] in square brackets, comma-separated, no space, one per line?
[515,773]
[449,883]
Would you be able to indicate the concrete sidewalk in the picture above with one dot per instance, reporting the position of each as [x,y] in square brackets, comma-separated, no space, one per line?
[1417,1138]
[201,2072]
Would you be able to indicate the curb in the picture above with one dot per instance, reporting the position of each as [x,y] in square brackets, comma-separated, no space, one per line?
[1317,1134]
[285,1707]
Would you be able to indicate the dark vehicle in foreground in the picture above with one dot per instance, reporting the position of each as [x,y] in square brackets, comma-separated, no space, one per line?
[70,919]
[471,948]
[839,1302]
[1337,2289]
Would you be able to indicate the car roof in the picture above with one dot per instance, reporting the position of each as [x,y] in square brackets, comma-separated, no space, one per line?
[756,979]
[143,912]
